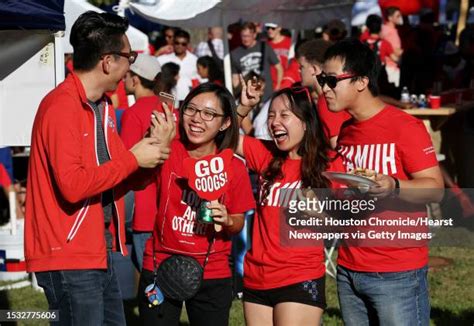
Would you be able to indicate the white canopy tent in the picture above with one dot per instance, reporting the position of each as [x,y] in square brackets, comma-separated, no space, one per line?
[33,64]
[296,14]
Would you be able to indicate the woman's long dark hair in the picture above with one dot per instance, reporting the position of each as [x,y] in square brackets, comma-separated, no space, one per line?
[167,78]
[313,149]
[228,138]
[215,73]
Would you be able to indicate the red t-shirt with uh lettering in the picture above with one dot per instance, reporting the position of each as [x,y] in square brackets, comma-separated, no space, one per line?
[396,144]
[176,230]
[269,263]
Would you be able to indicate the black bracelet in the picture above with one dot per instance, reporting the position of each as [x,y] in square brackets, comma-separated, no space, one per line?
[242,116]
[397,186]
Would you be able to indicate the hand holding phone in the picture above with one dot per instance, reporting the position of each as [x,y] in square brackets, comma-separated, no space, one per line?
[167,98]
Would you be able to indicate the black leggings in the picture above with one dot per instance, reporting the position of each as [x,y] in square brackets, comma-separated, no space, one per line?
[210,306]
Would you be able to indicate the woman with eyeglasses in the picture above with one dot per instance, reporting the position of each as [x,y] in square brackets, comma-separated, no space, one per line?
[284,285]
[207,125]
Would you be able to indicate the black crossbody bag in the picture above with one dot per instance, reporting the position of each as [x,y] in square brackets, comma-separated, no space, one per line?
[179,277]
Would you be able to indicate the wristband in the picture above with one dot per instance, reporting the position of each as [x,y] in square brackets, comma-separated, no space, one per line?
[241,115]
[397,186]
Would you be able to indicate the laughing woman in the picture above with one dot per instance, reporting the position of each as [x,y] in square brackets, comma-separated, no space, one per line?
[207,125]
[284,285]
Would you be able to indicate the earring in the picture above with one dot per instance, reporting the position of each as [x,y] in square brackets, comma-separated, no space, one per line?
[221,129]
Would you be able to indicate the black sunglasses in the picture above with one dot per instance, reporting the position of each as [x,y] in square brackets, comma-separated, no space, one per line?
[131,56]
[181,43]
[332,81]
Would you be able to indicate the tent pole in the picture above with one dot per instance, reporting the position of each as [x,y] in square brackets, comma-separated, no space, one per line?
[59,58]
[13,217]
[120,8]
[227,65]
[294,38]
[462,19]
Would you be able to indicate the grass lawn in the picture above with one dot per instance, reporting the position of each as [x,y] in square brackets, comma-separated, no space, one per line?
[451,290]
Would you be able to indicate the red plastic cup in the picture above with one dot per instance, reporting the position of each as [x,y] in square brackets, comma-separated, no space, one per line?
[435,101]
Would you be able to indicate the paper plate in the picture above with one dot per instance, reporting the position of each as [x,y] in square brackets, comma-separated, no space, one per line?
[349,179]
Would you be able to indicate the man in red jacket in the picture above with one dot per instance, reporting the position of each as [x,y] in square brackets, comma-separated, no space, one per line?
[79,171]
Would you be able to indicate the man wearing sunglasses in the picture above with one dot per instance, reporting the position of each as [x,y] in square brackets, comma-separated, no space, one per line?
[79,171]
[310,56]
[386,282]
[186,61]
[281,44]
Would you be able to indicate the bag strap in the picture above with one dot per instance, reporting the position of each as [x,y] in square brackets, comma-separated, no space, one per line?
[375,46]
[262,52]
[211,242]
[213,50]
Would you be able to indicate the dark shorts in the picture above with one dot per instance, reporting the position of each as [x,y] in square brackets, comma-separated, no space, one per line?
[310,292]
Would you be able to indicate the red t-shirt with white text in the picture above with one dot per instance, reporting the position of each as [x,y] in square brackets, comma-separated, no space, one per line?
[269,264]
[391,143]
[176,230]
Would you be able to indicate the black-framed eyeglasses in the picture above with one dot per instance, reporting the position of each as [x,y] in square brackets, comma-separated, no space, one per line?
[332,81]
[131,56]
[206,115]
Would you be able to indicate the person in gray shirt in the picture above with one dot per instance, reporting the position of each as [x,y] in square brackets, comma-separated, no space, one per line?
[255,56]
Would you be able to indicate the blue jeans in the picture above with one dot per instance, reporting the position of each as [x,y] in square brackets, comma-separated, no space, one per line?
[399,298]
[139,240]
[84,297]
[241,243]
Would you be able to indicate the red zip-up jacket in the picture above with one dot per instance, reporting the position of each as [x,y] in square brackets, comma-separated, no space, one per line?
[64,223]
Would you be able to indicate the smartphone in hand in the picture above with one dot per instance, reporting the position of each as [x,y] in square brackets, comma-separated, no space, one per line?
[167,98]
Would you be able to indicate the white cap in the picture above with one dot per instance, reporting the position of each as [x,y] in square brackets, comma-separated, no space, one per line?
[146,66]
[271,25]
